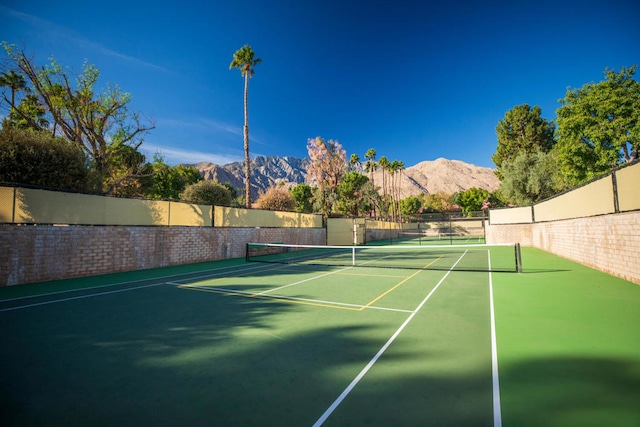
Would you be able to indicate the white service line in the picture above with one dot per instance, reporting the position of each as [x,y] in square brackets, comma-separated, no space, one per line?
[303,281]
[380,352]
[287,298]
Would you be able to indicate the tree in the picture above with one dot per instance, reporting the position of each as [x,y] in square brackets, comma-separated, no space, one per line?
[13,81]
[354,160]
[385,165]
[170,181]
[244,60]
[439,202]
[529,179]
[29,106]
[410,206]
[38,158]
[371,165]
[327,166]
[522,130]
[472,200]
[599,126]
[350,190]
[495,200]
[207,193]
[99,124]
[302,195]
[395,169]
[276,199]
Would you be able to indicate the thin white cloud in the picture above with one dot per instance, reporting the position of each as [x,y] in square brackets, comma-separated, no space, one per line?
[201,124]
[71,37]
[174,156]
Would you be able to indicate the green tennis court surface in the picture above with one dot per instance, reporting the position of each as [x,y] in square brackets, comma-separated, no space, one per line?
[236,343]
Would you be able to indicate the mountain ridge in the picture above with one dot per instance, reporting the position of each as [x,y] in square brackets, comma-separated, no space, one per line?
[428,177]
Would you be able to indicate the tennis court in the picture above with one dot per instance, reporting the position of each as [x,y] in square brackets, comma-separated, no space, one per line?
[255,343]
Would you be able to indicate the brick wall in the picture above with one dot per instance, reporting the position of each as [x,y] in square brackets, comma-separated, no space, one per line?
[609,243]
[41,253]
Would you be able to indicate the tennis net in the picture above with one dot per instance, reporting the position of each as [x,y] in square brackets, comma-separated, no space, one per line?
[497,257]
[421,238]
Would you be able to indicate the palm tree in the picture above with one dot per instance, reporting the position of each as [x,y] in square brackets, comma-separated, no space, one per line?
[385,164]
[15,82]
[370,155]
[244,60]
[354,160]
[395,169]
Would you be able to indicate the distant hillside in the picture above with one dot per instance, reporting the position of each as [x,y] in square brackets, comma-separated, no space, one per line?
[449,176]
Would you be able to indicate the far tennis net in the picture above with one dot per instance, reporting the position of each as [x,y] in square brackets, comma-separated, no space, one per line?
[497,257]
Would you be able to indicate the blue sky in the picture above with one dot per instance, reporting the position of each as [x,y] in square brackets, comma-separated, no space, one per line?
[415,80]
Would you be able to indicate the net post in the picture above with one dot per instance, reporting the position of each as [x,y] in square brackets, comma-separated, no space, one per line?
[246,254]
[353,256]
[518,254]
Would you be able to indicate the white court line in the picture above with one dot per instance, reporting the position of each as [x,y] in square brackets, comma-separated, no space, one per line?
[303,281]
[497,413]
[380,352]
[161,280]
[78,297]
[288,298]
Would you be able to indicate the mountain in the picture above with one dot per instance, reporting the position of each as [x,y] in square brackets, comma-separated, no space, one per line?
[448,176]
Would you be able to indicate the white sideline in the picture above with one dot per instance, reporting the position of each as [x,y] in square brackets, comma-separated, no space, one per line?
[497,413]
[160,280]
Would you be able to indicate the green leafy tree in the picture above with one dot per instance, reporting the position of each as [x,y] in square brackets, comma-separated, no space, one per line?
[410,206]
[170,181]
[599,126]
[522,130]
[31,108]
[98,123]
[531,178]
[129,173]
[439,202]
[244,59]
[302,194]
[276,199]
[207,193]
[495,200]
[38,158]
[472,200]
[352,199]
[237,201]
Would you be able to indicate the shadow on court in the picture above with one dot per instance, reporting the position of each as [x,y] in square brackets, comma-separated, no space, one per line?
[578,391]
[166,356]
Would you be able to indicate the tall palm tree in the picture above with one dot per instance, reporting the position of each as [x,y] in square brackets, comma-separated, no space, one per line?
[385,164]
[396,168]
[370,155]
[244,60]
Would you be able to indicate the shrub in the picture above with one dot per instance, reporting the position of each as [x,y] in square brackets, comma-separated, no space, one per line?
[276,199]
[38,158]
[207,193]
